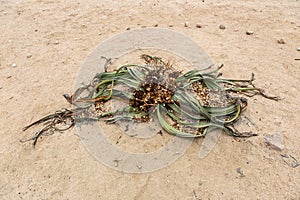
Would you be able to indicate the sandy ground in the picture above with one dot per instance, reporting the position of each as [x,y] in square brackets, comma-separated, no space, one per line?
[49,40]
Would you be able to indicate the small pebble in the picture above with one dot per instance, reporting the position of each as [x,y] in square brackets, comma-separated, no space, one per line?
[186,24]
[171,25]
[14,65]
[29,55]
[274,141]
[272,158]
[240,171]
[222,27]
[249,32]
[298,49]
[128,28]
[116,164]
[155,25]
[281,41]
[56,42]
[198,26]
[99,33]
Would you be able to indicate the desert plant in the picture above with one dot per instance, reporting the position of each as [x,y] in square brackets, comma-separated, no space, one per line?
[186,104]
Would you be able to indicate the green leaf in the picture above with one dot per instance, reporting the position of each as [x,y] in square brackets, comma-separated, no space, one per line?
[170,129]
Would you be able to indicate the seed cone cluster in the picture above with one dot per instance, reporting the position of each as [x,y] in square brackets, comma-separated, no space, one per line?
[150,95]
[158,87]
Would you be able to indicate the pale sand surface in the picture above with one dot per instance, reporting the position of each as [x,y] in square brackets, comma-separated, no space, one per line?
[60,34]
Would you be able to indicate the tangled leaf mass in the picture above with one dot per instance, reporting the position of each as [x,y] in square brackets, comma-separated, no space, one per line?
[185,104]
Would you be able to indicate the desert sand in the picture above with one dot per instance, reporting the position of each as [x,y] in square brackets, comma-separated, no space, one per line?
[43,45]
